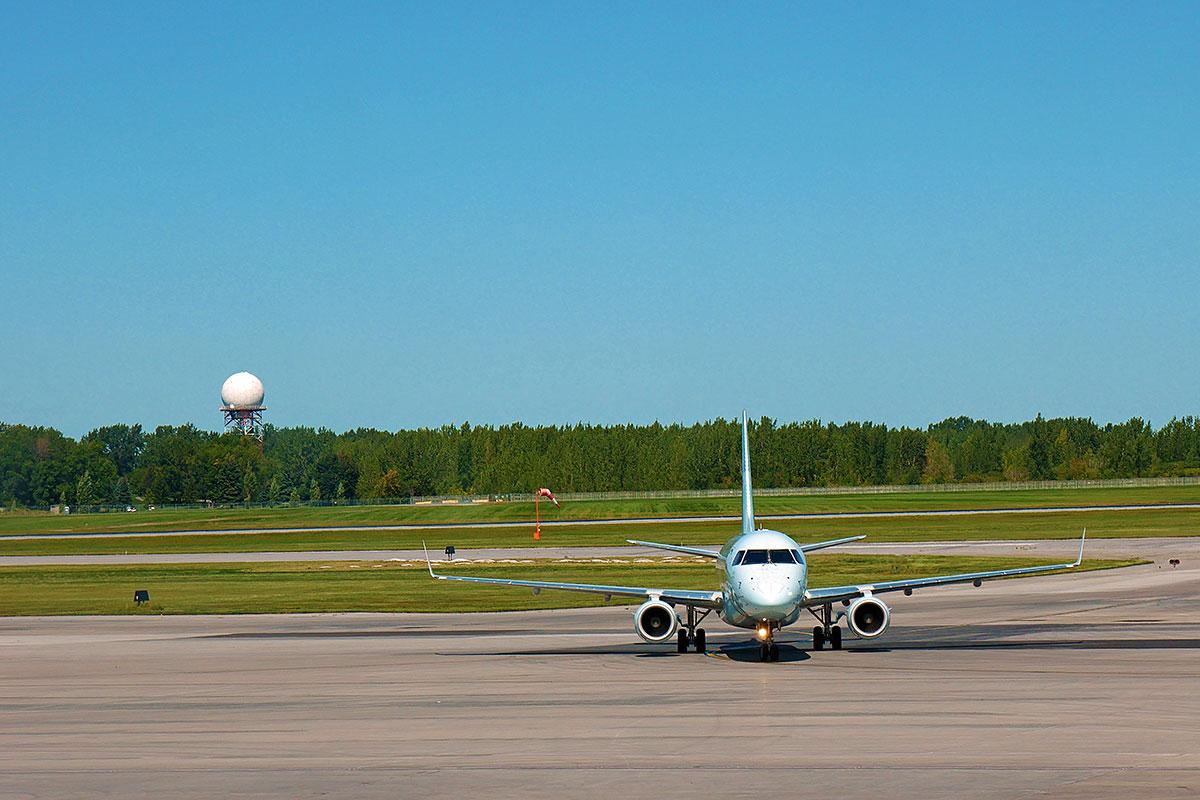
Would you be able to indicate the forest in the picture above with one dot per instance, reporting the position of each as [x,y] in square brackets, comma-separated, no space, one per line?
[123,464]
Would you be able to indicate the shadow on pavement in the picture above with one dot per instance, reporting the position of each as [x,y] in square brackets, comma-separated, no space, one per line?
[748,652]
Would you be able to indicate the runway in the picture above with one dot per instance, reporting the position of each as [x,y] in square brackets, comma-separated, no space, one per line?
[1148,548]
[1079,686]
[425,526]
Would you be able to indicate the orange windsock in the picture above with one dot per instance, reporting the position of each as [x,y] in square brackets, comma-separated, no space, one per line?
[549,495]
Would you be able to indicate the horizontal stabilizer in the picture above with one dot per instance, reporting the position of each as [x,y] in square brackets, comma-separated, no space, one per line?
[678,548]
[808,548]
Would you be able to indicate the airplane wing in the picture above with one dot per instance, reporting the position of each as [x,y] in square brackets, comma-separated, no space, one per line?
[679,548]
[833,594]
[685,597]
[808,548]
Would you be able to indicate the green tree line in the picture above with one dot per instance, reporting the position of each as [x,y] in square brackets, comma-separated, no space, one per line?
[119,464]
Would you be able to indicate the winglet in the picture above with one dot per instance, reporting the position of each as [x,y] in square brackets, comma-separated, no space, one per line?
[1082,539]
[428,563]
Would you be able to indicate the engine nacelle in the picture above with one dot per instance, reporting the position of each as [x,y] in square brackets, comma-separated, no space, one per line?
[655,621]
[868,617]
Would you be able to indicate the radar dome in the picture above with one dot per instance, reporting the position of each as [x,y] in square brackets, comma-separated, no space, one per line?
[242,390]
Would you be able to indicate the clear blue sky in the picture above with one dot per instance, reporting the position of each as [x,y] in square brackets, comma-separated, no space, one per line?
[404,216]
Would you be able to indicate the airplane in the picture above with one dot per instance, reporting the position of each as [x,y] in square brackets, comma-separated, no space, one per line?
[764,588]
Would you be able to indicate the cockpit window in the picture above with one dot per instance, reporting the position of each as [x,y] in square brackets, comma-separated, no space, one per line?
[754,557]
[765,557]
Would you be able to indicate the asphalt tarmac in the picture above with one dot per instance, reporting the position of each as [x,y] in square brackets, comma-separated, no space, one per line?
[1075,686]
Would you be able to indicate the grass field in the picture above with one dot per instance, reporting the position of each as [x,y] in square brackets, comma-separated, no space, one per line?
[1100,524]
[373,586]
[12,522]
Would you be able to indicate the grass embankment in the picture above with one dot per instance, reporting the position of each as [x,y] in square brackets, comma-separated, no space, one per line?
[392,587]
[225,519]
[1100,524]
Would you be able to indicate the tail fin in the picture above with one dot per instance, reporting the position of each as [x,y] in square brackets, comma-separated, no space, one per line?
[747,490]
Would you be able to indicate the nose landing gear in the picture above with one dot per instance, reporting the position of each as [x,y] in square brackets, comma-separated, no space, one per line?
[768,650]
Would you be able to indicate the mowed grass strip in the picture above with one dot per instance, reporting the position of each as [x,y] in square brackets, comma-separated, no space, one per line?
[15,522]
[393,587]
[1067,525]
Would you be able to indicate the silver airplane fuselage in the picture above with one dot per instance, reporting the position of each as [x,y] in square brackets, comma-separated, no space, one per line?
[762,594]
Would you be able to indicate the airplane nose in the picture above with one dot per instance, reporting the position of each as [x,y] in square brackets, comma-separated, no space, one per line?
[772,586]
[769,596]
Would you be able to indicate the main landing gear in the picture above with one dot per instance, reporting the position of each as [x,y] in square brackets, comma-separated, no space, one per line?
[826,632]
[690,634]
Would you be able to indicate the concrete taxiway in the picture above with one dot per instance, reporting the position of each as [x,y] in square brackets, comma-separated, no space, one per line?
[1079,686]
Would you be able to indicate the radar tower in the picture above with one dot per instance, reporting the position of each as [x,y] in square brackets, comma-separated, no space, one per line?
[242,404]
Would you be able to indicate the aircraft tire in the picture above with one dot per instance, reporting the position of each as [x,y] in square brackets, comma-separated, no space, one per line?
[699,640]
[818,638]
[773,651]
[682,644]
[835,640]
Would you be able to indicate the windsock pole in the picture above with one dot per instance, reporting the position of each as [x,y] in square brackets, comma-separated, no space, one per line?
[537,510]
[537,517]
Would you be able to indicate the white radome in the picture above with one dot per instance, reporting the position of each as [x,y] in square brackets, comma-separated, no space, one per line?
[242,390]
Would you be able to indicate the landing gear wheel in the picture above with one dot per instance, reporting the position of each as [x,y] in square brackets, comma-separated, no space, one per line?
[683,642]
[764,652]
[773,651]
[818,638]
[835,639]
[698,640]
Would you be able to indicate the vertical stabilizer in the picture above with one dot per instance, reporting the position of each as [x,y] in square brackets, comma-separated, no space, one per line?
[747,496]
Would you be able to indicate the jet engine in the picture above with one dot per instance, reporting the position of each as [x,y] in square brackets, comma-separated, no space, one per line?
[868,617]
[655,621]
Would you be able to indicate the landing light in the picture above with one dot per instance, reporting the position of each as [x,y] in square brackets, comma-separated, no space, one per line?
[762,633]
